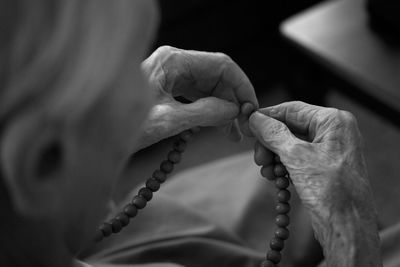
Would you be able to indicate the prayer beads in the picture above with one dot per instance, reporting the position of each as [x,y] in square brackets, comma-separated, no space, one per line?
[277,243]
[152,185]
[280,177]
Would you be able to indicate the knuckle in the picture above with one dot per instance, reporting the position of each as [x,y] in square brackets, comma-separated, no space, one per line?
[226,61]
[324,115]
[330,113]
[347,118]
[169,60]
[224,57]
[299,103]
[168,56]
[166,49]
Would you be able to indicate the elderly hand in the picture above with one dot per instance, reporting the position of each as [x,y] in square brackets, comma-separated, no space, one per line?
[215,85]
[328,171]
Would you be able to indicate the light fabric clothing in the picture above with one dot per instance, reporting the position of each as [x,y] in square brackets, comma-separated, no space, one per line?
[220,214]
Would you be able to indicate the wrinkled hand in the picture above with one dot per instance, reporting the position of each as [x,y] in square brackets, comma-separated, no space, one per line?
[319,163]
[215,85]
[328,171]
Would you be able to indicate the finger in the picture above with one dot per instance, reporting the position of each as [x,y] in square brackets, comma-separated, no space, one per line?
[208,111]
[218,74]
[243,118]
[272,133]
[170,118]
[211,111]
[247,108]
[262,156]
[196,74]
[300,117]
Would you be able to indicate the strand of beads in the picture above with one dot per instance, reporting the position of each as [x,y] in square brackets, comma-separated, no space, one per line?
[277,243]
[145,194]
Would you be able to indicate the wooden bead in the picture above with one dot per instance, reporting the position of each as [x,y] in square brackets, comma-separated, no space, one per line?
[186,135]
[280,170]
[166,166]
[180,145]
[106,229]
[282,208]
[160,176]
[274,256]
[174,156]
[282,220]
[139,201]
[152,184]
[276,244]
[266,172]
[262,156]
[130,210]
[283,195]
[146,193]
[98,236]
[123,218]
[282,183]
[116,225]
[282,233]
[268,263]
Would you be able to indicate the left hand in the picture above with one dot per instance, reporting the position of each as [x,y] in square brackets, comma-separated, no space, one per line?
[215,85]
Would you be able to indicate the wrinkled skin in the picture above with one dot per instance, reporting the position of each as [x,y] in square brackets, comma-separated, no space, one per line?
[328,171]
[334,142]
[215,85]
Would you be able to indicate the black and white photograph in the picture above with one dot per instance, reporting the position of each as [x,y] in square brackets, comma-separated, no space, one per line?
[199,133]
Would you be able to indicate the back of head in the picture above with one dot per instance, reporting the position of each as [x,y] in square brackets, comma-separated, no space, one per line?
[57,58]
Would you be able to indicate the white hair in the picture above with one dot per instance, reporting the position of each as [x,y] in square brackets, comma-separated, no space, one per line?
[60,55]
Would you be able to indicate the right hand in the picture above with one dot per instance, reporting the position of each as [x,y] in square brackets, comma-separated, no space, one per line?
[327,166]
[329,173]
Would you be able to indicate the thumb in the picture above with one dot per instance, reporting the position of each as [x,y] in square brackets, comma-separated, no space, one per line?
[170,118]
[210,111]
[272,133]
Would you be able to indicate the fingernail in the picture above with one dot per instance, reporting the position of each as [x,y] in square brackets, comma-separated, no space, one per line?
[257,116]
[268,110]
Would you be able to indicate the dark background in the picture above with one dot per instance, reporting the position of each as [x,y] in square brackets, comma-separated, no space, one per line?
[245,30]
[248,31]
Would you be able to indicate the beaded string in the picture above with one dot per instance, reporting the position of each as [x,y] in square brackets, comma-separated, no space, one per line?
[282,208]
[145,194]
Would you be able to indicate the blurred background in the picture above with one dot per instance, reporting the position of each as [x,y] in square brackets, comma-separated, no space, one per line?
[248,31]
[339,53]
